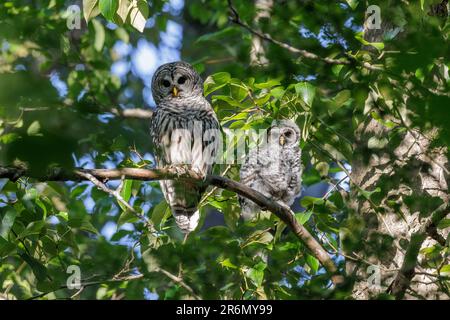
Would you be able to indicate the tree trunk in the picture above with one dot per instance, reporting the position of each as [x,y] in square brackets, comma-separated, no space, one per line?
[398,221]
[258,52]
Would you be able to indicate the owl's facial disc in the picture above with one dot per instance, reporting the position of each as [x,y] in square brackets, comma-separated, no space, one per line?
[181,85]
[176,80]
[287,137]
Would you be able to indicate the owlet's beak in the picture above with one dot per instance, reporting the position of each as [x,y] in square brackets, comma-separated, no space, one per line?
[175,91]
[282,140]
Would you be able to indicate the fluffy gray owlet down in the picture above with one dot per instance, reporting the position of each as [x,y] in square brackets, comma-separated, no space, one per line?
[274,167]
[185,131]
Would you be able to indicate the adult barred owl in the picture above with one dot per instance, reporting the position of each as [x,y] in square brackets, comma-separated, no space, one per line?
[185,132]
[274,167]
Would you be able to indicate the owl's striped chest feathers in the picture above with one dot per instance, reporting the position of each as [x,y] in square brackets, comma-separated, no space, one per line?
[182,134]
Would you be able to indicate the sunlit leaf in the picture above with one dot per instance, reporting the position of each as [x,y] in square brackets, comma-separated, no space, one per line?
[99,35]
[138,15]
[90,9]
[108,8]
[306,91]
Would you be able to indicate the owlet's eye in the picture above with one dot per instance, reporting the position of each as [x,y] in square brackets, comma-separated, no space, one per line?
[166,83]
[181,80]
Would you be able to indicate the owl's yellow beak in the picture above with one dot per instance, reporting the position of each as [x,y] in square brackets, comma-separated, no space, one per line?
[282,140]
[175,91]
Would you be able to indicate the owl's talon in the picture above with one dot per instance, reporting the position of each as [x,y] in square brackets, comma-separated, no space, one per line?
[177,170]
[201,175]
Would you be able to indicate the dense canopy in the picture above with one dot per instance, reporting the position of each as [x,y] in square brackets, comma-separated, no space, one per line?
[368,87]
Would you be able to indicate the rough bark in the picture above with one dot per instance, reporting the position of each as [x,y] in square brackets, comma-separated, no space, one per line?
[399,225]
[415,171]
[258,52]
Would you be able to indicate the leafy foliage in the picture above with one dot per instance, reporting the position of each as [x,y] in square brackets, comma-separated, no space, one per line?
[46,227]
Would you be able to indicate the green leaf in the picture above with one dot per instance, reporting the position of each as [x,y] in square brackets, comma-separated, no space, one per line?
[306,91]
[126,217]
[215,82]
[310,201]
[303,217]
[6,247]
[120,234]
[34,128]
[256,274]
[277,92]
[227,264]
[160,213]
[341,98]
[108,8]
[353,3]
[34,227]
[7,222]
[217,35]
[63,216]
[269,84]
[377,143]
[368,194]
[336,69]
[420,74]
[123,10]
[238,91]
[360,37]
[39,270]
[445,270]
[231,214]
[86,225]
[323,168]
[259,237]
[313,263]
[126,190]
[444,223]
[9,137]
[139,15]
[99,35]
[281,226]
[90,9]
[41,205]
[228,100]
[123,35]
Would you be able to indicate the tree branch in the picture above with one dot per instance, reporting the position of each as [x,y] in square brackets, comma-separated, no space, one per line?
[138,113]
[133,113]
[89,284]
[180,281]
[403,278]
[304,53]
[280,210]
[116,194]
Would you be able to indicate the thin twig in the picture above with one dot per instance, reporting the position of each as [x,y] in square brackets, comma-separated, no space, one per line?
[179,281]
[114,193]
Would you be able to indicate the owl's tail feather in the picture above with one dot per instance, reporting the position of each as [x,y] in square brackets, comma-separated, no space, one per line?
[186,218]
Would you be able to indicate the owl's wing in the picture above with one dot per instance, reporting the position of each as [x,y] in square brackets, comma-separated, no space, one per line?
[295,177]
[250,176]
[207,141]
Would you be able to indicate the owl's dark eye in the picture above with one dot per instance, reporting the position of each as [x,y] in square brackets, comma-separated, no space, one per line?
[166,83]
[288,134]
[181,80]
